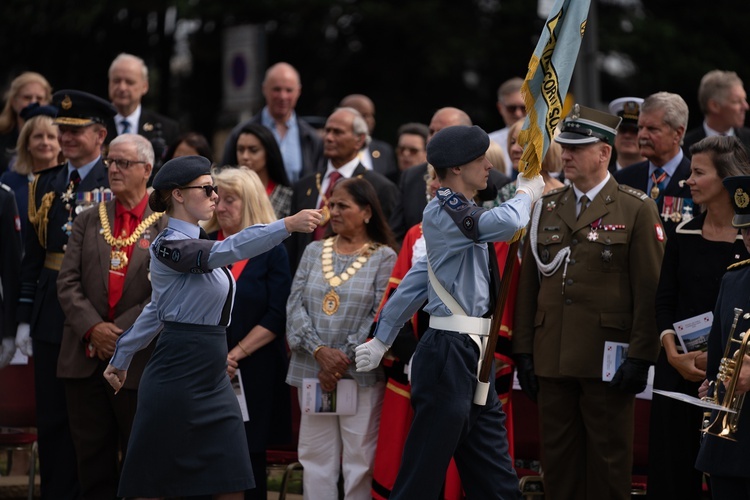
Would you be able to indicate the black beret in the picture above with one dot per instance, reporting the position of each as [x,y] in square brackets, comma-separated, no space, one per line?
[739,192]
[80,109]
[456,146]
[181,171]
[35,109]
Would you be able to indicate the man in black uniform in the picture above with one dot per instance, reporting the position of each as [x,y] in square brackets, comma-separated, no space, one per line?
[57,196]
[10,260]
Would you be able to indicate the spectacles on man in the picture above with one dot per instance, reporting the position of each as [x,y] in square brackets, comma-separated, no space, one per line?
[408,150]
[515,108]
[121,163]
[208,189]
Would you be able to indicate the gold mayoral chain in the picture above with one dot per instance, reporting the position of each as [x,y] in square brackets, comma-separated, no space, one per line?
[331,301]
[118,258]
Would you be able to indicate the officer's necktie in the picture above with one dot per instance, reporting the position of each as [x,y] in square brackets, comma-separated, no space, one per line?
[584,203]
[125,125]
[332,179]
[659,180]
[75,178]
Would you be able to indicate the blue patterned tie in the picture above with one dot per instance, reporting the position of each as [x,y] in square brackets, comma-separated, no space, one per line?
[659,181]
[125,126]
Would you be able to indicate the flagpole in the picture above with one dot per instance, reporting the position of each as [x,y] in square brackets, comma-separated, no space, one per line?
[544,89]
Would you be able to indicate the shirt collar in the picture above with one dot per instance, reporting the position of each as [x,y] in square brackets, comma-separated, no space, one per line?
[133,119]
[267,120]
[190,230]
[346,170]
[137,211]
[670,167]
[84,170]
[711,132]
[591,193]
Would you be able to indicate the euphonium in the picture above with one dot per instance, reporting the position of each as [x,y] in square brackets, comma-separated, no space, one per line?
[725,423]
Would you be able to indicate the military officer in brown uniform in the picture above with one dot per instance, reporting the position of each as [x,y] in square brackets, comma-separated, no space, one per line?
[103,286]
[589,275]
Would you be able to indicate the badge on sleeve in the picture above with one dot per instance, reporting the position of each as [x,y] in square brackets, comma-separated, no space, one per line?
[659,232]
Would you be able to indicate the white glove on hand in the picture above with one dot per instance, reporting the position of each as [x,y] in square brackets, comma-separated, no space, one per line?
[7,349]
[534,187]
[23,339]
[369,354]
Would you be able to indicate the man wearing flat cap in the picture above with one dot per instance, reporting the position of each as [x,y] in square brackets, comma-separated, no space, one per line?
[626,151]
[460,289]
[56,197]
[589,276]
[724,459]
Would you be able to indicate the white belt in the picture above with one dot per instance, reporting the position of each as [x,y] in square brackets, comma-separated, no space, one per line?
[462,324]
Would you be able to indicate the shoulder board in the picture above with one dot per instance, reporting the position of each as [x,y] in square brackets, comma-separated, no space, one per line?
[633,192]
[5,186]
[556,190]
[738,265]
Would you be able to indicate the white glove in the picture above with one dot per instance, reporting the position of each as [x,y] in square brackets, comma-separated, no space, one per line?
[369,354]
[534,187]
[23,339]
[7,349]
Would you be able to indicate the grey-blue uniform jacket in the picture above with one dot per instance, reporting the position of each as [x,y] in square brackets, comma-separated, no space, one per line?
[189,282]
[460,263]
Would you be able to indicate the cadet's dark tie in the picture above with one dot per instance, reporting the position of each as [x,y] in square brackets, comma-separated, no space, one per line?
[584,203]
[203,234]
[75,178]
[125,126]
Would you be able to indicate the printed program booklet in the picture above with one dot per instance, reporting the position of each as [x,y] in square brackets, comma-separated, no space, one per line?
[341,401]
[692,333]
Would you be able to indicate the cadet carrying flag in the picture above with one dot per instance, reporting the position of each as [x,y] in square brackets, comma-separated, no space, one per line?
[544,91]
[548,78]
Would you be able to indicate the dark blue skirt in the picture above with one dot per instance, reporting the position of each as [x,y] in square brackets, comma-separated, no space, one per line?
[188,437]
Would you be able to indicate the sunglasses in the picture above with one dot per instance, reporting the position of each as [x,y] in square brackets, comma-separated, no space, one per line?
[515,108]
[208,189]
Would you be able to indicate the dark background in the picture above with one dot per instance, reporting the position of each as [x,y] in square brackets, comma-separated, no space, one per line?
[410,56]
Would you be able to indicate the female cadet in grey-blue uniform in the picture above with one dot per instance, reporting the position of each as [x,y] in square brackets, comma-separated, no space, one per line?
[188,434]
[444,368]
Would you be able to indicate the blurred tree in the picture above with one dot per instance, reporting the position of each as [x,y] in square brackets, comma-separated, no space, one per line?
[409,57]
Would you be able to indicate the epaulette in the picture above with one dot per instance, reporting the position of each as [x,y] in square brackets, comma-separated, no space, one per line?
[738,265]
[633,192]
[555,191]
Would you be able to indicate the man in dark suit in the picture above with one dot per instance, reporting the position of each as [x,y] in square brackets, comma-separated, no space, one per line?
[103,286]
[378,155]
[128,83]
[56,197]
[301,147]
[723,101]
[412,185]
[661,126]
[345,135]
[589,276]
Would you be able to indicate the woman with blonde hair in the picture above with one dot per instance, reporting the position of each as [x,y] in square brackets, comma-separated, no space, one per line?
[38,149]
[26,88]
[255,336]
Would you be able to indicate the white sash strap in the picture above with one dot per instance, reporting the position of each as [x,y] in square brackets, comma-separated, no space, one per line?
[476,328]
[461,324]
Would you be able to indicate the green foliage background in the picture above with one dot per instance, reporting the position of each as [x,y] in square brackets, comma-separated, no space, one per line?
[410,56]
